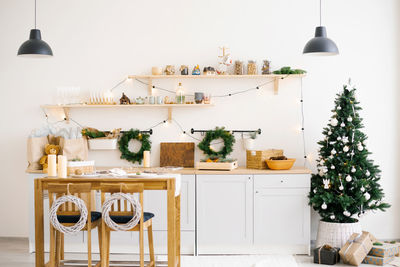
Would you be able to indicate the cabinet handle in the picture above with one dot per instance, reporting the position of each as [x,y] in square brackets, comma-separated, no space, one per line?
[281,181]
[256,192]
[249,178]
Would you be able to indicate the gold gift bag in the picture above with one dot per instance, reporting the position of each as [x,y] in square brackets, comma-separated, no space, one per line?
[35,150]
[74,148]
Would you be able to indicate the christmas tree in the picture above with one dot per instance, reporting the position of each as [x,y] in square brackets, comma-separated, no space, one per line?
[347,182]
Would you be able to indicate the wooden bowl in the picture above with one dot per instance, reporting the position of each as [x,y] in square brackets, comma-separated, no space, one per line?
[280,164]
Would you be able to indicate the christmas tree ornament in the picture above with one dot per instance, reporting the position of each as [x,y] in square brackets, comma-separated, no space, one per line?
[333,167]
[345,139]
[332,143]
[315,190]
[339,108]
[352,153]
[329,133]
[342,124]
[367,173]
[322,162]
[360,148]
[362,189]
[349,119]
[331,156]
[367,196]
[334,122]
[339,138]
[321,173]
[346,213]
[325,169]
[326,183]
[341,187]
[353,169]
[348,178]
[345,148]
[332,217]
[333,151]
[324,206]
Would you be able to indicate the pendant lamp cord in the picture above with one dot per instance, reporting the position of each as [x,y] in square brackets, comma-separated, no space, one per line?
[35,14]
[320,12]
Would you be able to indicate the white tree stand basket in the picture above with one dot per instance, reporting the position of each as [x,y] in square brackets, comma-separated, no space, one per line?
[336,234]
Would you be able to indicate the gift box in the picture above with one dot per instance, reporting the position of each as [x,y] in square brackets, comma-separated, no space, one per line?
[326,255]
[356,248]
[395,243]
[377,260]
[384,250]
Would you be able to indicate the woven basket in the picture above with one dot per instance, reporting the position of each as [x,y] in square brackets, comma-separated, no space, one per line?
[82,166]
[336,234]
[255,159]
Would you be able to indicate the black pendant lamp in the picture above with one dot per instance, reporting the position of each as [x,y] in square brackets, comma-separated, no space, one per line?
[321,45]
[35,46]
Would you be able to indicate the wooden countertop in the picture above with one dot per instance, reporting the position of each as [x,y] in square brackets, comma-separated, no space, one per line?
[189,171]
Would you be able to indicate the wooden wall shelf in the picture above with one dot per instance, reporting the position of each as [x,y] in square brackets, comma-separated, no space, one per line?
[66,108]
[275,77]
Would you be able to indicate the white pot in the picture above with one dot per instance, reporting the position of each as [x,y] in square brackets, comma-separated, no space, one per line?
[103,144]
[336,234]
[248,144]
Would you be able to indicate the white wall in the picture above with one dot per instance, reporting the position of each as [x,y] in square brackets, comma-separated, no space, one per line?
[97,43]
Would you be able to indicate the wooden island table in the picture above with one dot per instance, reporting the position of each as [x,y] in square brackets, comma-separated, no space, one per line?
[173,209]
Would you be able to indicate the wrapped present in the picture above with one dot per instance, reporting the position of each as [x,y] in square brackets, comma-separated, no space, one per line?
[356,248]
[384,250]
[326,255]
[377,260]
[395,243]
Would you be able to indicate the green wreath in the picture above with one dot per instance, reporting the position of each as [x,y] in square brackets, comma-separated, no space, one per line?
[124,142]
[225,135]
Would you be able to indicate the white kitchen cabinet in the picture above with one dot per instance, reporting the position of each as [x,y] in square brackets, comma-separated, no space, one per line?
[224,213]
[281,214]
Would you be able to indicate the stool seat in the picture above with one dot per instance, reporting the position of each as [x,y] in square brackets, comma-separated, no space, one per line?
[95,215]
[126,218]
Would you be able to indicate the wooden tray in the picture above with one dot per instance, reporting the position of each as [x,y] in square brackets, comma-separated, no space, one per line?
[222,166]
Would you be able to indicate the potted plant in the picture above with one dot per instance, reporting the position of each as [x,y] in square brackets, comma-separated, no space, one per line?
[346,185]
[248,143]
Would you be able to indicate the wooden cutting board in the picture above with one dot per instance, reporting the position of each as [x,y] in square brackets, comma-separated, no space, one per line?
[177,154]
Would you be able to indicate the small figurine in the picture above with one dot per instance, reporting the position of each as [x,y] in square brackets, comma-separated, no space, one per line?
[184,70]
[124,100]
[170,70]
[209,71]
[225,61]
[166,100]
[266,67]
[196,70]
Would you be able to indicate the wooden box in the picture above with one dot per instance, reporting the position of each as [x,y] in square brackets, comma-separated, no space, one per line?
[255,159]
[177,154]
[219,166]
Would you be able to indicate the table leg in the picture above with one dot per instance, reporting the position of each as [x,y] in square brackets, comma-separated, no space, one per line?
[171,223]
[178,229]
[39,228]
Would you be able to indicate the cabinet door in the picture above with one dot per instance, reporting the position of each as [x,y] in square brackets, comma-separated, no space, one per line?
[225,213]
[282,219]
[156,202]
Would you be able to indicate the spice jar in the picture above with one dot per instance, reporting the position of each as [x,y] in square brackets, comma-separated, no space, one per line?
[251,67]
[238,67]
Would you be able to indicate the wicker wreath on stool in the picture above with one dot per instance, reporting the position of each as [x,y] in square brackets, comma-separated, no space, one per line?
[136,207]
[80,204]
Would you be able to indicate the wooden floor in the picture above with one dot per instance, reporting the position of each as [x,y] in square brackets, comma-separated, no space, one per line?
[14,253]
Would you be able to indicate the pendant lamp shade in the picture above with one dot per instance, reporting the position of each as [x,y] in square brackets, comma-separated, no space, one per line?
[35,46]
[321,45]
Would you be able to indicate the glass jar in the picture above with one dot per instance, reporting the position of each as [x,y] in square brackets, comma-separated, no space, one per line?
[266,67]
[238,67]
[251,67]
